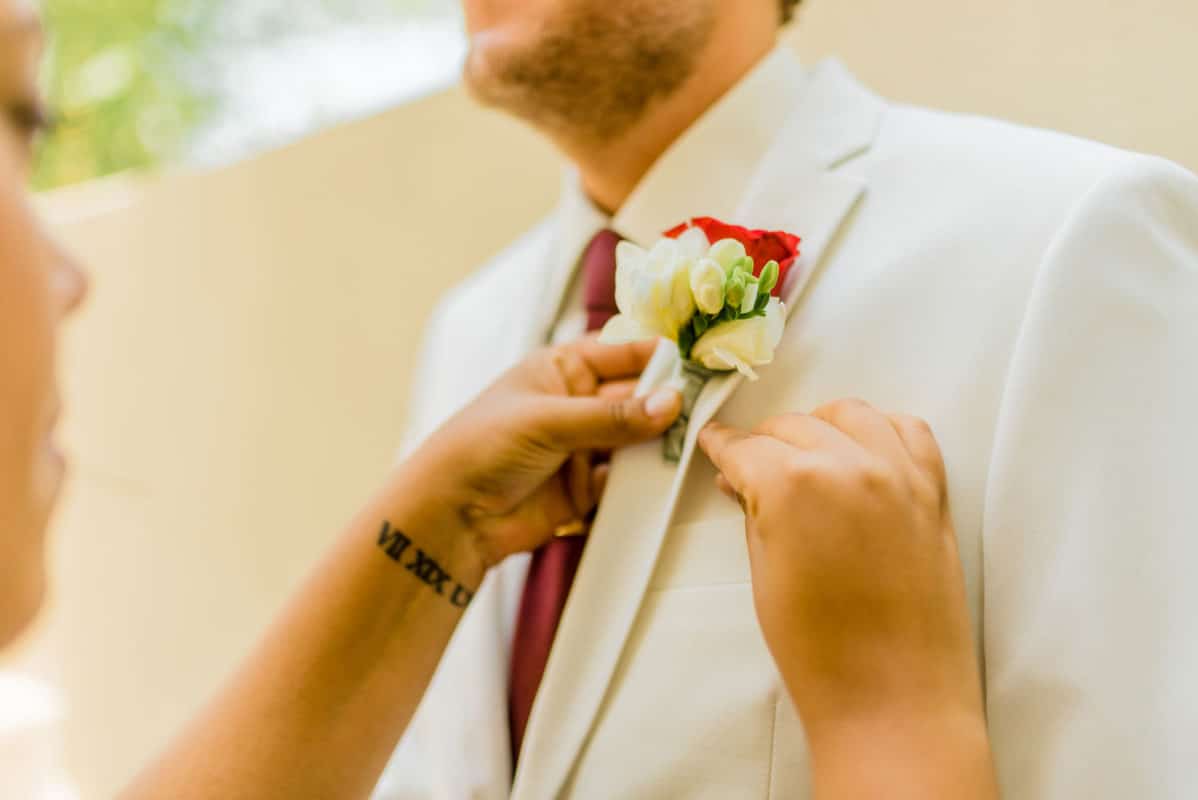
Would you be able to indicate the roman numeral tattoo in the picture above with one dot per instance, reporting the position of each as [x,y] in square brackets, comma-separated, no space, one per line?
[396,545]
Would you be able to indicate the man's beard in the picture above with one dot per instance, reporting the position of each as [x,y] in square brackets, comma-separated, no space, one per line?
[597,66]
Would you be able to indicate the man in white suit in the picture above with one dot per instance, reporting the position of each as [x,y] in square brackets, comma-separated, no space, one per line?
[1033,296]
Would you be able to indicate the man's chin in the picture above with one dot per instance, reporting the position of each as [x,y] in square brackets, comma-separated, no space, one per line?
[480,73]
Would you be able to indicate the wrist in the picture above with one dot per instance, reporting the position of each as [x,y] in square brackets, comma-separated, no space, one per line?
[901,753]
[433,511]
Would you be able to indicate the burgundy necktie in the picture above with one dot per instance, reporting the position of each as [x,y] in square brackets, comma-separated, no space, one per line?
[553,566]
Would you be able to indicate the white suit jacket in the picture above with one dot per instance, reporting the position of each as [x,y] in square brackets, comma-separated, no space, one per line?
[1035,297]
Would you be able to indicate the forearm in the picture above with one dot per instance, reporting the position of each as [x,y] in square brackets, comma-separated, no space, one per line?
[905,755]
[321,704]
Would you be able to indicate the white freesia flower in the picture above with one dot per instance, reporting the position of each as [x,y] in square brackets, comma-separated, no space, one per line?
[727,253]
[653,288]
[707,285]
[742,344]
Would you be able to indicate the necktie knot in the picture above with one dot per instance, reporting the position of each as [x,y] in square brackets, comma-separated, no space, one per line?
[599,278]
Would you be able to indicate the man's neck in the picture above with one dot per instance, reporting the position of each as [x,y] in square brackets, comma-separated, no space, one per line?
[610,171]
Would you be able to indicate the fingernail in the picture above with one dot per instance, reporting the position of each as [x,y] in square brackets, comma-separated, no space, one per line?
[662,403]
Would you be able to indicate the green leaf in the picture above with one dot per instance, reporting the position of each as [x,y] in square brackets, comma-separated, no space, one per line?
[700,325]
[763,300]
[686,340]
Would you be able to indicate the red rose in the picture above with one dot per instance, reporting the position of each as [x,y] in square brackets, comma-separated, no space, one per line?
[762,246]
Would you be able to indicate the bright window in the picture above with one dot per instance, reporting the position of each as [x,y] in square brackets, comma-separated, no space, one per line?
[136,83]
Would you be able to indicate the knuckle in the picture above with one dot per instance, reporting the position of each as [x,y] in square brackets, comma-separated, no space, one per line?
[916,425]
[541,359]
[557,357]
[800,473]
[776,423]
[850,404]
[620,417]
[839,409]
[923,426]
[571,369]
[874,477]
[926,493]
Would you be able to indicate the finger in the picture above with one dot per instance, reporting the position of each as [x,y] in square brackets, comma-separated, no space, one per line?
[549,508]
[617,390]
[613,362]
[595,423]
[599,480]
[722,484]
[745,460]
[718,440]
[867,426]
[579,467]
[920,441]
[578,379]
[805,432]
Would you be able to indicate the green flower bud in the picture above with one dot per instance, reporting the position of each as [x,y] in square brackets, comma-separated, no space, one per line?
[734,292]
[750,299]
[769,277]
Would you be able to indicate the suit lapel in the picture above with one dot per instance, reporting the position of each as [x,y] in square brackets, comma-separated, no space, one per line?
[794,189]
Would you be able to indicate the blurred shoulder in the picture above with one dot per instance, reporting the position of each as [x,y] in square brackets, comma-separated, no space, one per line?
[964,180]
[993,158]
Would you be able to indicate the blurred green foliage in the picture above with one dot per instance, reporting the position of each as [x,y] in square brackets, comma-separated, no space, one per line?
[114,78]
[124,77]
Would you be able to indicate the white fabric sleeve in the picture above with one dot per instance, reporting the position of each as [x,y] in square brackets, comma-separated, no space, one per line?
[1091,523]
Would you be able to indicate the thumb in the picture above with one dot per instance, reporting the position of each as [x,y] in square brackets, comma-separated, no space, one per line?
[746,462]
[599,423]
[719,441]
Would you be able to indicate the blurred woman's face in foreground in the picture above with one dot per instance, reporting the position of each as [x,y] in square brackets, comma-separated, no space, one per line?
[39,286]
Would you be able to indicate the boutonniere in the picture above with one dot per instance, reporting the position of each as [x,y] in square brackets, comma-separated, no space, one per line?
[712,289]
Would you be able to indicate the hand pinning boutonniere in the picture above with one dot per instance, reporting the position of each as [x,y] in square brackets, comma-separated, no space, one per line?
[711,288]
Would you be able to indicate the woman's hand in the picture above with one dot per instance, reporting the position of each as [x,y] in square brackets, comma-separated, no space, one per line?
[319,707]
[859,589]
[503,467]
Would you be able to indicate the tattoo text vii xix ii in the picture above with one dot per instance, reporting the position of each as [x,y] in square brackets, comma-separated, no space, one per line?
[396,545]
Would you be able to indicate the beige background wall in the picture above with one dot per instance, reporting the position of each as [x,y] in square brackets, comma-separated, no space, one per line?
[239,379]
[1125,73]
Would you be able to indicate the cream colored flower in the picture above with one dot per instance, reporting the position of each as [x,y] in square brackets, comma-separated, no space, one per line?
[727,253]
[707,285]
[653,288]
[742,344]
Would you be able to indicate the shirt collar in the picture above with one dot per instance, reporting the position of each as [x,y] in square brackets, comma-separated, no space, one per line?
[578,219]
[706,172]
